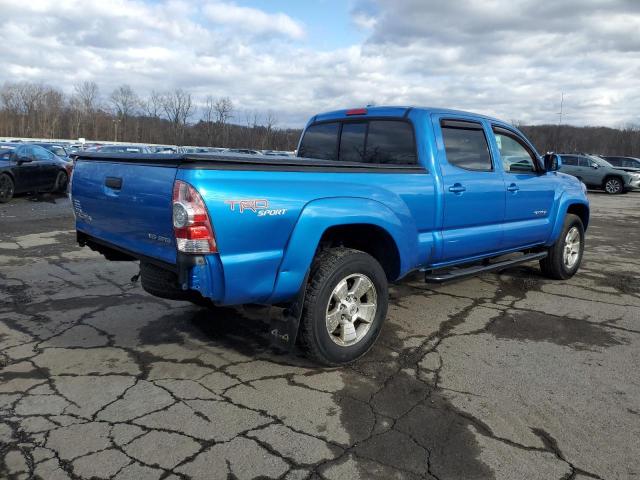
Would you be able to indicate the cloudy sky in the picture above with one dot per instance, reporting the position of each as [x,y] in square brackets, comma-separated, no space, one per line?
[509,58]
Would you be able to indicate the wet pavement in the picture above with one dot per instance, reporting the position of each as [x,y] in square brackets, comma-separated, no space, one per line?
[508,376]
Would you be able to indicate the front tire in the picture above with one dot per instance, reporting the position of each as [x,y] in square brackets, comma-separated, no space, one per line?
[613,185]
[345,305]
[7,188]
[565,256]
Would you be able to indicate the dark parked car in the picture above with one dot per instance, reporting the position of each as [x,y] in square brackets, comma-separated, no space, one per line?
[56,149]
[596,172]
[31,168]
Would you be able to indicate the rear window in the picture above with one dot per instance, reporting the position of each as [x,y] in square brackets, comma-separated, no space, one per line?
[390,142]
[320,141]
[374,141]
[466,146]
[352,142]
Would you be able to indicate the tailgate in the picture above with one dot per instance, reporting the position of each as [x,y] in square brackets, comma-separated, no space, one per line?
[127,205]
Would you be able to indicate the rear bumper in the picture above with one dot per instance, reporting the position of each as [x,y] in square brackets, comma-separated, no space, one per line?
[202,273]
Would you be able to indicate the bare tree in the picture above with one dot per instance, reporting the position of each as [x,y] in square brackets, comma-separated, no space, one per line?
[11,109]
[178,107]
[223,107]
[153,105]
[85,100]
[125,104]
[208,117]
[270,121]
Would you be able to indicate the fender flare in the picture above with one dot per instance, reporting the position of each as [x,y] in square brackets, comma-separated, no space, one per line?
[565,202]
[320,215]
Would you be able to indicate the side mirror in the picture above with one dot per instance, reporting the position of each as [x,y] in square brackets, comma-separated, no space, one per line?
[595,165]
[22,160]
[552,162]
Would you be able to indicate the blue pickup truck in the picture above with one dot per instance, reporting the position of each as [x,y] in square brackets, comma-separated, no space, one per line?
[372,195]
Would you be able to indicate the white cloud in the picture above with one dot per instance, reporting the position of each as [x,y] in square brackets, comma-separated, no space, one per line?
[251,20]
[509,58]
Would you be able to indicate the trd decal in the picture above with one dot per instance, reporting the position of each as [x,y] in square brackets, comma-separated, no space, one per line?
[258,206]
[253,205]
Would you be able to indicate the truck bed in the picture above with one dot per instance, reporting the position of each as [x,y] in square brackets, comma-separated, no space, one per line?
[244,162]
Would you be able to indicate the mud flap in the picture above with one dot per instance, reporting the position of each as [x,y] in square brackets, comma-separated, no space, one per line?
[283,329]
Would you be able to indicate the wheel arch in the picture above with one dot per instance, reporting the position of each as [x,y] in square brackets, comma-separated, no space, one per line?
[10,174]
[369,238]
[581,211]
[612,175]
[339,221]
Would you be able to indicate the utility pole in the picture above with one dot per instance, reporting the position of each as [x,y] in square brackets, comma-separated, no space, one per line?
[561,107]
[115,126]
[559,120]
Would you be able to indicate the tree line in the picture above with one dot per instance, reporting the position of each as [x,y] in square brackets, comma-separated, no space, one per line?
[172,117]
[175,117]
[624,141]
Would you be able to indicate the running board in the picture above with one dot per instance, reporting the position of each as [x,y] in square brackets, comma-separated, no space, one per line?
[457,274]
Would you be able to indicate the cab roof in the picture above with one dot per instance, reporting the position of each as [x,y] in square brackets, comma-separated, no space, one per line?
[392,111]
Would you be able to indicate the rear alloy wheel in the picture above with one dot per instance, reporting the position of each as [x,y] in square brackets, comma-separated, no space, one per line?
[613,185]
[351,309]
[344,307]
[7,188]
[62,180]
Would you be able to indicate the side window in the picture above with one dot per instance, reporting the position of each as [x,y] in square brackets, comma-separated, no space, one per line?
[569,160]
[583,162]
[352,142]
[466,145]
[40,154]
[390,142]
[615,161]
[320,141]
[516,157]
[25,151]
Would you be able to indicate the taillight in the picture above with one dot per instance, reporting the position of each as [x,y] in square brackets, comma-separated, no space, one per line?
[357,111]
[191,223]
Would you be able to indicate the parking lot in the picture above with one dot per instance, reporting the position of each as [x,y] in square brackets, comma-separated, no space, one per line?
[501,376]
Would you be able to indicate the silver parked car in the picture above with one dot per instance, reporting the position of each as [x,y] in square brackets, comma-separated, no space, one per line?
[596,172]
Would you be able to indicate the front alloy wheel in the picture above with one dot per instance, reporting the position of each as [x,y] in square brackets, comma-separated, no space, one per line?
[613,186]
[572,243]
[564,257]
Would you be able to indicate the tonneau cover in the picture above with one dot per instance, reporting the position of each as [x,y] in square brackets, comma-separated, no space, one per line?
[238,161]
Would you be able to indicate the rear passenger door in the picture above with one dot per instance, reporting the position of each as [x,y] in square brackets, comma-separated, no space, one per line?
[48,166]
[474,190]
[530,191]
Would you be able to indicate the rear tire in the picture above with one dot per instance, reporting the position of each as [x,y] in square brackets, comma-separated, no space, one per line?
[613,185]
[345,305]
[564,257]
[7,188]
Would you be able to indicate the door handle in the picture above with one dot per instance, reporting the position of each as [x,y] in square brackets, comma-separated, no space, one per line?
[113,182]
[513,188]
[457,188]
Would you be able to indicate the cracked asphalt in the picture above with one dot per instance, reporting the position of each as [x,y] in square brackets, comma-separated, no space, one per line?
[508,376]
